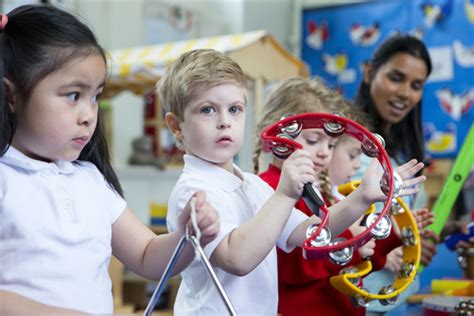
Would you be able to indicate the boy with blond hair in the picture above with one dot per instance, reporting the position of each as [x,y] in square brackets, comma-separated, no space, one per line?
[204,95]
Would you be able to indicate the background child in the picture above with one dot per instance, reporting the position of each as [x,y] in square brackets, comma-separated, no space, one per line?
[345,162]
[304,287]
[61,206]
[204,94]
[344,165]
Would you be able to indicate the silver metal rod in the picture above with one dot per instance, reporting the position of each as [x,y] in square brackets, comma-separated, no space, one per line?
[166,276]
[169,268]
[213,275]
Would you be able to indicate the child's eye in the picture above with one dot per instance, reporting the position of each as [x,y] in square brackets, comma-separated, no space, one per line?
[96,98]
[207,110]
[331,146]
[311,141]
[235,109]
[74,96]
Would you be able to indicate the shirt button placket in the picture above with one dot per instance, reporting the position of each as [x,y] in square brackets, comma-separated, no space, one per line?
[67,200]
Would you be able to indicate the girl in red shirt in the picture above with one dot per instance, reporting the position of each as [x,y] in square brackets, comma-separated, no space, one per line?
[304,287]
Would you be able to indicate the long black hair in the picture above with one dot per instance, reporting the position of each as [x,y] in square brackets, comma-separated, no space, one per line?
[37,41]
[406,137]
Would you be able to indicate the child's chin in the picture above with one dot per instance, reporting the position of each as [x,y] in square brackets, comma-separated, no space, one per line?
[69,157]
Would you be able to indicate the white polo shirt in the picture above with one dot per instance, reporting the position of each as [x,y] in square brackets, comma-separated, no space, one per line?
[55,232]
[237,202]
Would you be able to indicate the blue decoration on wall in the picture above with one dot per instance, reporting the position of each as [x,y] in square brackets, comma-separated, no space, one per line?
[337,40]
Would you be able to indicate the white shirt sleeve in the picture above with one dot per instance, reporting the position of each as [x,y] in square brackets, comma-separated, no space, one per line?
[181,195]
[295,219]
[2,184]
[113,202]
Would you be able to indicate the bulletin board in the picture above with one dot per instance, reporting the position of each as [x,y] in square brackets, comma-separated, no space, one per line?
[337,40]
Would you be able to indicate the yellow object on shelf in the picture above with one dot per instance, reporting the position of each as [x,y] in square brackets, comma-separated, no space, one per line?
[467,291]
[158,213]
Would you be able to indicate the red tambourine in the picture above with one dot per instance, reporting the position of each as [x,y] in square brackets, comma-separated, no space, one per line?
[278,138]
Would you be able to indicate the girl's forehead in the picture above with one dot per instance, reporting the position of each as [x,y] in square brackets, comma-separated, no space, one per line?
[349,144]
[347,141]
[318,132]
[314,131]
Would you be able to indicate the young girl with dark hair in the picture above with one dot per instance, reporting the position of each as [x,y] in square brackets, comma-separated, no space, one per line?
[61,206]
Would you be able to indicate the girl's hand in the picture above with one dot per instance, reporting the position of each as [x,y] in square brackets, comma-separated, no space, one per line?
[423,218]
[367,249]
[370,183]
[296,171]
[394,260]
[207,218]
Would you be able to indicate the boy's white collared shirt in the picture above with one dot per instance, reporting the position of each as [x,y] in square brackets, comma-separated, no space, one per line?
[55,232]
[236,201]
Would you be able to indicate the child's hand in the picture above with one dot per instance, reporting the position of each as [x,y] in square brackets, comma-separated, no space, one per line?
[423,218]
[296,171]
[367,249]
[207,218]
[370,183]
[394,260]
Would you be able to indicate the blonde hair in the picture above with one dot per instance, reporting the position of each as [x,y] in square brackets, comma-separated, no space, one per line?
[296,96]
[356,114]
[325,187]
[193,70]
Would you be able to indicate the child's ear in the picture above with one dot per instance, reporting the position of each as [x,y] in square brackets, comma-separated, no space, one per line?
[173,124]
[10,93]
[368,73]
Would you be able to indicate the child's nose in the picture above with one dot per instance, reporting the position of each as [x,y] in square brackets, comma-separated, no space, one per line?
[323,151]
[357,165]
[224,121]
[88,115]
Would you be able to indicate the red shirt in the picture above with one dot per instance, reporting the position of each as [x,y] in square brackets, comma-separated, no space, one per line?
[303,285]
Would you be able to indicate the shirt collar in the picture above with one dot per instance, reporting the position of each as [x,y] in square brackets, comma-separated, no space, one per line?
[274,169]
[17,159]
[221,177]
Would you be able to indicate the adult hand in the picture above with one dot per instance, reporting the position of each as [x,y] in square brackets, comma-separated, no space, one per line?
[370,183]
[458,227]
[429,239]
[423,218]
